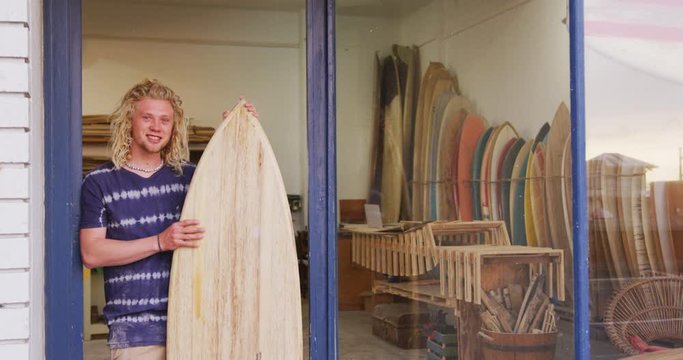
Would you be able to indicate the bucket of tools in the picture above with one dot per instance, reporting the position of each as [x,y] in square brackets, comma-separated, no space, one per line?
[510,346]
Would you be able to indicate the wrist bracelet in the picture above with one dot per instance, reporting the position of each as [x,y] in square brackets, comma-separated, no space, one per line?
[159,243]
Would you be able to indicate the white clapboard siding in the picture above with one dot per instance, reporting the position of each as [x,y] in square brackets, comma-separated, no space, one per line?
[14,11]
[14,351]
[14,323]
[13,75]
[13,218]
[14,254]
[17,298]
[18,282]
[13,110]
[13,182]
[14,146]
[15,40]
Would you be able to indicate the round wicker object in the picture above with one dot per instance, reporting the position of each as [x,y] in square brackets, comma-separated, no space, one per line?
[649,308]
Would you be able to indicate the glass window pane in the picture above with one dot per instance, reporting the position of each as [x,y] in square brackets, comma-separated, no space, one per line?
[453,121]
[633,145]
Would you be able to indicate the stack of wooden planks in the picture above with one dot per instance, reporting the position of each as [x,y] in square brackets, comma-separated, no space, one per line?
[506,311]
[96,128]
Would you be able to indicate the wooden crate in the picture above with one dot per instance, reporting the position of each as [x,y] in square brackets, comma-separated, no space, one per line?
[443,346]
[466,270]
[400,324]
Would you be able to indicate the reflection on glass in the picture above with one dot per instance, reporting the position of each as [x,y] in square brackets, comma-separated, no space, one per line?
[454,136]
[634,177]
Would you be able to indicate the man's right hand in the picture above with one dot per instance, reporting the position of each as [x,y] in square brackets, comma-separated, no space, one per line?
[184,233]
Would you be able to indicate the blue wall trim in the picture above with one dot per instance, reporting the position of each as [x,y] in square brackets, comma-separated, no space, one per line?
[62,92]
[322,177]
[580,198]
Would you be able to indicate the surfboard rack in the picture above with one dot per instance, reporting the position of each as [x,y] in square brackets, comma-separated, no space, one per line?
[409,248]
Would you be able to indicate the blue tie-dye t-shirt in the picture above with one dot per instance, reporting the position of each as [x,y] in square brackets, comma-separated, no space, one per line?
[133,207]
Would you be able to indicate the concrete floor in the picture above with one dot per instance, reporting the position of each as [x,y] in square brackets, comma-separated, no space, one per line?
[356,342]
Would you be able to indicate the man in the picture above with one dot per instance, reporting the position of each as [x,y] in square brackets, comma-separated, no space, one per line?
[130,211]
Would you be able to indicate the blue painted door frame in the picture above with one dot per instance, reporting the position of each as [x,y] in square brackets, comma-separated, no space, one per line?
[62,93]
[63,275]
[579,185]
[322,177]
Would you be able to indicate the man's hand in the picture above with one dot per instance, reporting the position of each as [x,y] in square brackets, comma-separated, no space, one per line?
[249,106]
[184,233]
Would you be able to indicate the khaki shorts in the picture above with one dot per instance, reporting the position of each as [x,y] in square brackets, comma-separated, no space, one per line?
[156,352]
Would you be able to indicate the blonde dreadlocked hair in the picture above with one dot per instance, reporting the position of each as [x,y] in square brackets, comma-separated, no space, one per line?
[176,153]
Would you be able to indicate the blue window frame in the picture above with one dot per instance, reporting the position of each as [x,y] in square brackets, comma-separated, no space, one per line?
[62,78]
[62,87]
[322,178]
[580,197]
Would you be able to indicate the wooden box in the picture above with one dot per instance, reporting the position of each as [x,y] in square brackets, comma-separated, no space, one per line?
[400,324]
[442,346]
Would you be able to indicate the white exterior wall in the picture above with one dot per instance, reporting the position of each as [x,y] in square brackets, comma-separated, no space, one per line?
[20,169]
[511,57]
[209,56]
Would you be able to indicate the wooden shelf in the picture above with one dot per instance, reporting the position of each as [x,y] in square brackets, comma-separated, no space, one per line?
[427,291]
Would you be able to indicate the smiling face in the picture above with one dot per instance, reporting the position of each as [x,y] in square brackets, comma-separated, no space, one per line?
[152,127]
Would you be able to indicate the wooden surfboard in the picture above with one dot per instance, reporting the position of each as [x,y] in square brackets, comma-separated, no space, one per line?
[652,243]
[375,193]
[603,257]
[447,145]
[542,134]
[471,130]
[557,138]
[485,175]
[566,184]
[537,197]
[399,54]
[442,92]
[528,213]
[477,162]
[529,228]
[674,197]
[432,154]
[601,260]
[660,207]
[425,86]
[496,188]
[517,184]
[237,296]
[504,140]
[600,264]
[506,181]
[624,180]
[392,159]
[612,233]
[646,261]
[409,56]
[436,81]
